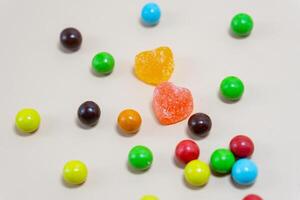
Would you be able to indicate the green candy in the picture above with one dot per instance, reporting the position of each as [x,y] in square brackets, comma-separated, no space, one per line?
[222,160]
[103,63]
[140,158]
[241,24]
[232,88]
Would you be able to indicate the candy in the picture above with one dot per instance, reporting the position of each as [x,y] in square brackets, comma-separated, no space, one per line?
[140,158]
[129,121]
[28,120]
[103,63]
[186,151]
[197,173]
[75,172]
[244,172]
[154,67]
[171,104]
[71,39]
[242,146]
[241,25]
[252,197]
[89,113]
[222,160]
[199,124]
[149,197]
[150,14]
[232,88]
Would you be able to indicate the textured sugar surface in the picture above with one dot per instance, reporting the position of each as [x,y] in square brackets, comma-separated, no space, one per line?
[172,104]
[154,67]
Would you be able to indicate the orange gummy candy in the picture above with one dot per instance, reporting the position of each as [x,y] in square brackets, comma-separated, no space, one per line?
[154,67]
[171,104]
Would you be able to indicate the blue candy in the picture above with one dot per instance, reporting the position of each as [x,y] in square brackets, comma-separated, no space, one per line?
[244,172]
[150,14]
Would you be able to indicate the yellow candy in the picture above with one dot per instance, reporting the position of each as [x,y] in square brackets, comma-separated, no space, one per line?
[149,197]
[197,173]
[75,172]
[154,67]
[28,120]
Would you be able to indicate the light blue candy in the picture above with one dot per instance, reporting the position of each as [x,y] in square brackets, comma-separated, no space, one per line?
[244,172]
[150,14]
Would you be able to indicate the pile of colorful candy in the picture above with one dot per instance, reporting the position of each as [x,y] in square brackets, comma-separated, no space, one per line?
[171,104]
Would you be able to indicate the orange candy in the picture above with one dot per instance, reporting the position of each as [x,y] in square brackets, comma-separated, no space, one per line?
[171,104]
[129,121]
[154,66]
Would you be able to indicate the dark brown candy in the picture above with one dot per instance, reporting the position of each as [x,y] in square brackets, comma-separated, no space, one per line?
[89,113]
[71,39]
[199,124]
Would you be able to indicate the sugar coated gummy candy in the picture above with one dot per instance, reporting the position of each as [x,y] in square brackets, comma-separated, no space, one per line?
[171,104]
[155,66]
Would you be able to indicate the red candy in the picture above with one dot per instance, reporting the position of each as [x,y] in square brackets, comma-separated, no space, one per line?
[252,197]
[186,151]
[241,146]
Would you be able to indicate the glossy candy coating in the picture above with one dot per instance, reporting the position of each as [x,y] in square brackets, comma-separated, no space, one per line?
[241,146]
[140,158]
[71,39]
[232,88]
[197,173]
[103,63]
[222,160]
[89,113]
[27,120]
[199,124]
[241,24]
[172,104]
[129,121]
[154,66]
[150,14]
[75,172]
[186,151]
[252,197]
[149,197]
[244,172]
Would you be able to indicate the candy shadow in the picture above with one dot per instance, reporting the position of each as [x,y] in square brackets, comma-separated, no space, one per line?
[67,185]
[64,50]
[225,100]
[240,187]
[146,25]
[133,171]
[190,186]
[194,136]
[83,126]
[216,174]
[177,163]
[98,74]
[235,36]
[122,133]
[19,133]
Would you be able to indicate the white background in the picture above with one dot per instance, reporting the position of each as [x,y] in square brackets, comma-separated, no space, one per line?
[35,72]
